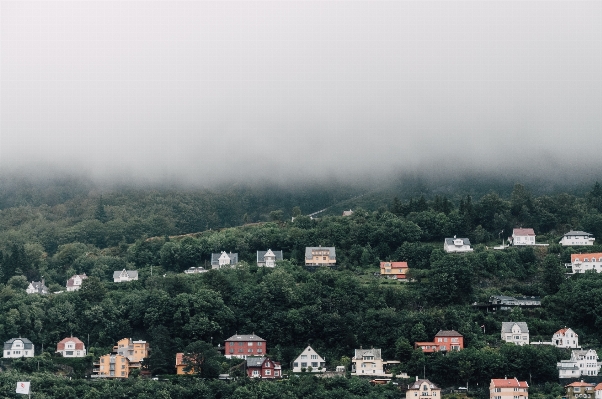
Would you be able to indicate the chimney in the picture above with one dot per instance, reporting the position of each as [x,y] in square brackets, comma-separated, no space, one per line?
[416,378]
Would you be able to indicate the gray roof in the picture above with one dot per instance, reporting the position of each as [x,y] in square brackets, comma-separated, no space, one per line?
[360,353]
[39,287]
[215,258]
[27,344]
[253,361]
[131,273]
[416,384]
[245,338]
[450,241]
[448,333]
[507,326]
[577,233]
[332,251]
[261,254]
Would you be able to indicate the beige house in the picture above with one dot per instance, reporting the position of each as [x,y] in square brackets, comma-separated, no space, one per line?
[111,366]
[423,389]
[508,388]
[320,256]
[370,362]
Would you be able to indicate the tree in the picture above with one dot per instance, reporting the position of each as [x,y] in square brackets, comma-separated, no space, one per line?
[296,211]
[93,290]
[202,359]
[553,274]
[100,213]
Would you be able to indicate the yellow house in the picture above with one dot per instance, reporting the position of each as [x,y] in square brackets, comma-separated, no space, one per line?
[181,365]
[508,388]
[423,389]
[112,365]
[320,256]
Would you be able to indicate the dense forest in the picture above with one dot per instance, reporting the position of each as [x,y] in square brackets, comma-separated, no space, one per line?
[53,232]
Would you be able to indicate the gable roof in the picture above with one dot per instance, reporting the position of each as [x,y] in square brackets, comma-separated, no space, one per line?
[450,241]
[233,257]
[598,387]
[507,326]
[253,361]
[579,384]
[508,383]
[331,250]
[71,281]
[596,255]
[577,233]
[79,345]
[27,344]
[39,287]
[523,232]
[418,383]
[245,338]
[310,350]
[261,255]
[360,353]
[563,331]
[129,273]
[448,333]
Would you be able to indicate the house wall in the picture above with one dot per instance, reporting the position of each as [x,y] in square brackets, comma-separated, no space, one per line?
[367,367]
[320,257]
[523,240]
[113,366]
[242,349]
[577,240]
[424,392]
[18,350]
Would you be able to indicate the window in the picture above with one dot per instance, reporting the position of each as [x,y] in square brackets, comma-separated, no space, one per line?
[314,356]
[498,389]
[255,372]
[268,372]
[240,351]
[231,343]
[303,364]
[295,364]
[123,373]
[303,356]
[576,389]
[259,344]
[240,344]
[314,364]
[231,350]
[276,373]
[250,343]
[259,350]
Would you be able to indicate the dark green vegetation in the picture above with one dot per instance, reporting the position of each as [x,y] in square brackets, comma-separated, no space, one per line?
[334,311]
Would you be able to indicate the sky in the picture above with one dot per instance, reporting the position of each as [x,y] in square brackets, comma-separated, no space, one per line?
[203,91]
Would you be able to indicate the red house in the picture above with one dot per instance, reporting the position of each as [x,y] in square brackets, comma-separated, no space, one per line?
[242,346]
[263,367]
[445,340]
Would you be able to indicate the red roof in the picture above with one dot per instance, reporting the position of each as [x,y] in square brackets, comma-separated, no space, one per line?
[563,331]
[580,384]
[509,383]
[598,387]
[523,232]
[596,255]
[79,345]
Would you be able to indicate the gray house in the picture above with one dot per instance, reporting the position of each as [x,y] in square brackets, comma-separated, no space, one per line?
[37,287]
[516,332]
[223,259]
[268,258]
[18,347]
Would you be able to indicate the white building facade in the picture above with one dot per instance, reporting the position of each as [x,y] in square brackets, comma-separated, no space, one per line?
[75,282]
[582,363]
[580,263]
[18,347]
[523,237]
[577,238]
[565,338]
[309,361]
[515,332]
[125,275]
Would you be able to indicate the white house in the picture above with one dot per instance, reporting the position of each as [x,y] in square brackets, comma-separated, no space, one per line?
[370,362]
[515,332]
[598,391]
[71,347]
[457,245]
[310,361]
[37,287]
[18,347]
[523,237]
[195,270]
[581,363]
[580,263]
[75,282]
[125,275]
[577,238]
[223,259]
[268,258]
[565,338]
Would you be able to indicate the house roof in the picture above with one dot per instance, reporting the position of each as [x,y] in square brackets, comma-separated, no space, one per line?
[71,281]
[418,383]
[507,326]
[597,255]
[27,344]
[245,338]
[598,387]
[450,241]
[523,232]
[253,361]
[563,331]
[39,287]
[508,383]
[332,252]
[311,350]
[130,273]
[579,384]
[576,353]
[261,255]
[79,345]
[577,233]
[448,333]
[232,255]
[359,353]
[394,264]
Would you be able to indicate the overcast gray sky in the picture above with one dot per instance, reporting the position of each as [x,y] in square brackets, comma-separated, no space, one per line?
[212,90]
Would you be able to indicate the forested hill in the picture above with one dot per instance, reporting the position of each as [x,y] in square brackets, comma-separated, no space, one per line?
[335,311]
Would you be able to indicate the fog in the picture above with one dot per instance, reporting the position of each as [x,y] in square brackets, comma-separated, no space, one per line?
[205,92]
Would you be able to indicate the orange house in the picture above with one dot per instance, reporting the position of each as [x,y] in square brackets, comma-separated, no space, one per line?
[394,270]
[112,365]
